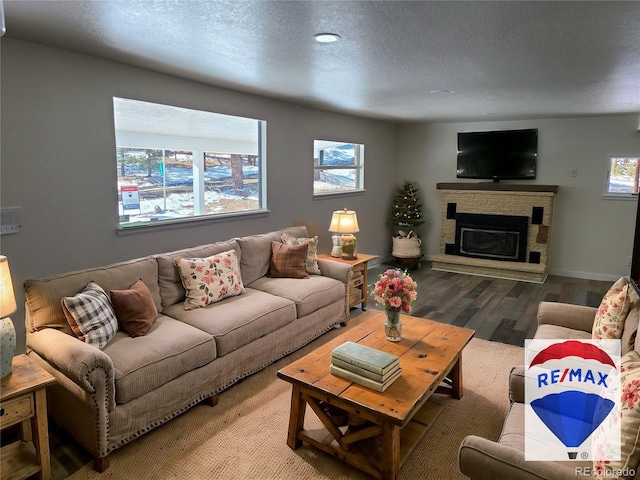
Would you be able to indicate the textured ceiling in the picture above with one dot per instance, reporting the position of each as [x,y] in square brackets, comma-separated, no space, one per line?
[515,60]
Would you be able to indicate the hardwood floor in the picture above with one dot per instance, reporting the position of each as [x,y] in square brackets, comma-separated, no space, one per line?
[498,310]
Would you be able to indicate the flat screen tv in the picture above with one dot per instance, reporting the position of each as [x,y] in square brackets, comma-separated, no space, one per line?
[498,155]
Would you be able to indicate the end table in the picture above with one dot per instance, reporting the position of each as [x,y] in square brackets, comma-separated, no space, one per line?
[23,401]
[358,294]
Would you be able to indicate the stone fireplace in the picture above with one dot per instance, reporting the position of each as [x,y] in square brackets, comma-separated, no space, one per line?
[496,230]
[496,237]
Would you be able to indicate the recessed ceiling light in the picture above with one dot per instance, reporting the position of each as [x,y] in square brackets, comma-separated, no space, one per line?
[326,37]
[442,92]
[488,114]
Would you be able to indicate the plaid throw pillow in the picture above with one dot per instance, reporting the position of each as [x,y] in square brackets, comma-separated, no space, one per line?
[91,316]
[311,262]
[288,260]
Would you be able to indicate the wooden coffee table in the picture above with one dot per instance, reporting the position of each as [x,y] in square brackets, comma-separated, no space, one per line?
[393,420]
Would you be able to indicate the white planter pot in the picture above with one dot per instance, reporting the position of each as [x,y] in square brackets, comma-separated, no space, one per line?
[404,247]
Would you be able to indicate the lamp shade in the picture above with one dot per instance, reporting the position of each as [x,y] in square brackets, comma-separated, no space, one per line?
[344,221]
[7,297]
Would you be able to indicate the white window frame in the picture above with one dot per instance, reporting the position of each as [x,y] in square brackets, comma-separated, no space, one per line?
[144,125]
[357,167]
[613,195]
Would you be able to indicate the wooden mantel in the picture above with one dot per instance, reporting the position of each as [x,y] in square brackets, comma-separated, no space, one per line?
[498,187]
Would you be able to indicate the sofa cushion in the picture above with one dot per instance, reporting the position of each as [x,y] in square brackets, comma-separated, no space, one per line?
[209,280]
[134,309]
[557,332]
[169,282]
[256,252]
[91,316]
[612,312]
[169,349]
[43,294]
[309,295]
[311,262]
[513,429]
[288,261]
[237,321]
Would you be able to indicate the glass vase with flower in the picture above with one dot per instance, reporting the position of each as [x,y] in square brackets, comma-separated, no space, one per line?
[395,291]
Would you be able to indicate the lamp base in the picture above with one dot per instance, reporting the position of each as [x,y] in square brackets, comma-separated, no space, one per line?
[348,246]
[7,346]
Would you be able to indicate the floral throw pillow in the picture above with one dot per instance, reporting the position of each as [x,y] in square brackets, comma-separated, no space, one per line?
[612,312]
[209,280]
[629,420]
[311,263]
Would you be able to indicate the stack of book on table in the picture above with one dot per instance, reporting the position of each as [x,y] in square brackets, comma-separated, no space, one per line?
[365,365]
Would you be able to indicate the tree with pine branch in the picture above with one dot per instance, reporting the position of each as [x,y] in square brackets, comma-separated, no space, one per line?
[407,210]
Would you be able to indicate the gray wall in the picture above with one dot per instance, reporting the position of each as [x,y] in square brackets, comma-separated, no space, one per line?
[591,236]
[58,164]
[58,151]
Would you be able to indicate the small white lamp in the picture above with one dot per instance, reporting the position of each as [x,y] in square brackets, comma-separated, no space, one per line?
[345,222]
[7,307]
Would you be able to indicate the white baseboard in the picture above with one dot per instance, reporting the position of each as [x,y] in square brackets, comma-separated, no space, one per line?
[587,275]
[604,277]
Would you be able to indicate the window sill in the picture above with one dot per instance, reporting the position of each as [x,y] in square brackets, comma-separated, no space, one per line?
[337,194]
[183,222]
[620,196]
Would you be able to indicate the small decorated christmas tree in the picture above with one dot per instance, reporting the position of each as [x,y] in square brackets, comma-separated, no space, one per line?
[406,215]
[407,210]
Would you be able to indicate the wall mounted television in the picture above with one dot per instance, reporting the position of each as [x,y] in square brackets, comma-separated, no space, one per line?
[498,155]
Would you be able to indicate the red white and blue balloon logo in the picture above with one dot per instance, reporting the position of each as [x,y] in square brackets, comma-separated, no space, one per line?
[571,388]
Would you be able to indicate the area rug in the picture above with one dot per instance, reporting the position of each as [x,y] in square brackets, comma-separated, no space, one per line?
[244,436]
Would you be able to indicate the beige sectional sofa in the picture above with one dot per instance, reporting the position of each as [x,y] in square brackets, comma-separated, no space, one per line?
[483,459]
[106,398]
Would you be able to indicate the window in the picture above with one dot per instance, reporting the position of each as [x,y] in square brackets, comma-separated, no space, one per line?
[175,163]
[622,176]
[338,167]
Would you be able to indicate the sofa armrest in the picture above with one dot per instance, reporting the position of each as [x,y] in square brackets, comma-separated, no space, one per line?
[516,384]
[85,365]
[336,270]
[576,317]
[482,459]
[341,272]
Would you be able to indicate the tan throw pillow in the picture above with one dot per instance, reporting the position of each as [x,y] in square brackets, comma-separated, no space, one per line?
[134,309]
[288,260]
[612,312]
[311,262]
[91,316]
[629,421]
[209,280]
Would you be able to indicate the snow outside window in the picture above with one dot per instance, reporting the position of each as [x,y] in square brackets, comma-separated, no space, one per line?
[338,167]
[623,175]
[175,163]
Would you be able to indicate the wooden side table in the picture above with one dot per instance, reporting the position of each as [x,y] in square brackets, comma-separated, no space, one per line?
[23,401]
[358,294]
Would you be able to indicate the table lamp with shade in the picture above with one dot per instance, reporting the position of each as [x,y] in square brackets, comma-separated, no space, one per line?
[7,307]
[345,222]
